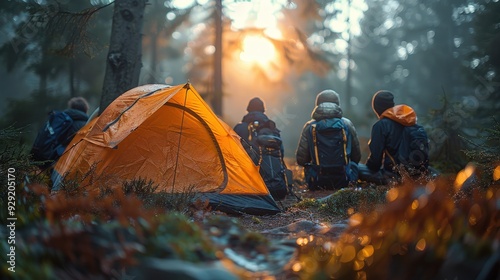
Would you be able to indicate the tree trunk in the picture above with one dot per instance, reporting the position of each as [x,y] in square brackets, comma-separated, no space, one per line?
[123,64]
[217,89]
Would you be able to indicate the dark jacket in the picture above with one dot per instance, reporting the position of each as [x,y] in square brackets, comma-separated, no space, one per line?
[79,120]
[326,110]
[386,134]
[242,128]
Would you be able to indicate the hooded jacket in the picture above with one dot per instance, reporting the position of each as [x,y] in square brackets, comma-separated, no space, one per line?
[242,128]
[386,134]
[326,110]
[79,120]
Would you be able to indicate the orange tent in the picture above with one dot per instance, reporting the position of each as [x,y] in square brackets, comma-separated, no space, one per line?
[169,135]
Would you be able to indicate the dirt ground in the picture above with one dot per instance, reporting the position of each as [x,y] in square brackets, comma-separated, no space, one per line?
[289,215]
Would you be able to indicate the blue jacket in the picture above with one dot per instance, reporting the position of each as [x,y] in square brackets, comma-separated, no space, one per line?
[386,134]
[79,120]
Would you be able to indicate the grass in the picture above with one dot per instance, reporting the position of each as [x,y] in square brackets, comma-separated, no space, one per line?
[345,202]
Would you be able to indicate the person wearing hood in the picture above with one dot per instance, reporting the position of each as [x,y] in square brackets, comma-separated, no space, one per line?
[58,131]
[77,111]
[328,107]
[385,138]
[255,117]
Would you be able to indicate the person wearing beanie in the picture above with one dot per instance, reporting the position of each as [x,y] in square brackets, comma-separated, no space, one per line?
[328,108]
[381,101]
[255,113]
[255,116]
[262,141]
[256,105]
[327,95]
[385,138]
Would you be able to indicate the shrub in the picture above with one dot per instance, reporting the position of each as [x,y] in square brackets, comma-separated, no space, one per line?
[486,154]
[421,233]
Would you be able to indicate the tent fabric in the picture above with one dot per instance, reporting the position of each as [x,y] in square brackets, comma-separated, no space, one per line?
[169,135]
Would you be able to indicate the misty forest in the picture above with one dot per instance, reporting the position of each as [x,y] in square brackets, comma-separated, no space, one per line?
[126,201]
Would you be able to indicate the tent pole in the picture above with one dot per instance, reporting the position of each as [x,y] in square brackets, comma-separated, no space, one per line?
[180,136]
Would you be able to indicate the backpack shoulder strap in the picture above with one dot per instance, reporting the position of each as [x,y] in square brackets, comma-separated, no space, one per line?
[251,131]
[315,142]
[345,140]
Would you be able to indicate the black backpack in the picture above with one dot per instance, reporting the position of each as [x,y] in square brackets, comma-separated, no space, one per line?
[265,144]
[48,145]
[330,149]
[413,150]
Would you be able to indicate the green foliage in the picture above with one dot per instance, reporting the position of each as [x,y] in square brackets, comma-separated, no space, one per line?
[346,201]
[487,153]
[12,154]
[100,248]
[16,169]
[420,233]
[306,203]
[97,234]
[139,186]
[147,191]
[175,236]
[169,201]
[447,126]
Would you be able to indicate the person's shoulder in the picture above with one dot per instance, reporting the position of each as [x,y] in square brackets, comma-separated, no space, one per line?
[385,124]
[347,121]
[240,126]
[76,115]
[255,116]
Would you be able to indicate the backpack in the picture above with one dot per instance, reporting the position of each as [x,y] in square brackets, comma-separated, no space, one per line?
[413,150]
[265,144]
[48,143]
[330,149]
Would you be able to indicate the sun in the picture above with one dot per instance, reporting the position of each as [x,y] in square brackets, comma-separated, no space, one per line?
[257,49]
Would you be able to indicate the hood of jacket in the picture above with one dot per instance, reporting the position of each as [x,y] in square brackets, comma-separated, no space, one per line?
[76,115]
[402,114]
[255,116]
[326,110]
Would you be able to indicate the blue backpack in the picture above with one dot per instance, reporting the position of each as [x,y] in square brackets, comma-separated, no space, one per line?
[48,145]
[265,142]
[330,149]
[413,150]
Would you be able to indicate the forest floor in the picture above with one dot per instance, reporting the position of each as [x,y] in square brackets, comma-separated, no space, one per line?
[290,214]
[281,231]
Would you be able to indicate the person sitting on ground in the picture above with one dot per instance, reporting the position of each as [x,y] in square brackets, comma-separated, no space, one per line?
[77,111]
[58,132]
[255,119]
[386,134]
[261,139]
[328,148]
